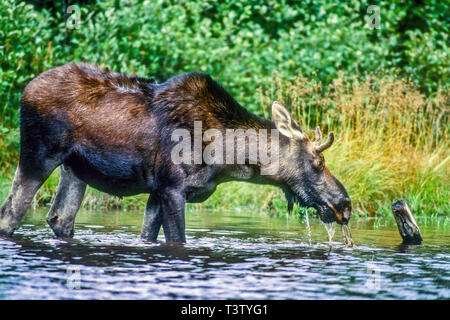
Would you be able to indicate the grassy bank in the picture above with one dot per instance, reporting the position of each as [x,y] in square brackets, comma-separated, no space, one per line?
[391,142]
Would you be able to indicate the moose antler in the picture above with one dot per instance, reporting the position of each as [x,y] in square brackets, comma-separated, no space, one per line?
[321,147]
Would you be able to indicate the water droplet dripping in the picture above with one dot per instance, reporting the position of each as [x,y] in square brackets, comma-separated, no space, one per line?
[308,226]
[347,236]
[330,231]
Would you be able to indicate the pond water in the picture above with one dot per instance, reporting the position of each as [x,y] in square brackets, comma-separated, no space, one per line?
[229,255]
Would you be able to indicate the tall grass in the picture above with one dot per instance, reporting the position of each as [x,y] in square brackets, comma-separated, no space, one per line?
[391,142]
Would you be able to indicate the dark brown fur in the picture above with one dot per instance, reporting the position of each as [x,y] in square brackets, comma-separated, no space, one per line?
[113,132]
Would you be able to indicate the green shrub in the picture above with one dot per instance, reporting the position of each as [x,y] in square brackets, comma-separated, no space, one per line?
[240,43]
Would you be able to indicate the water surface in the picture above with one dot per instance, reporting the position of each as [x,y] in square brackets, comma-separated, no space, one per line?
[229,255]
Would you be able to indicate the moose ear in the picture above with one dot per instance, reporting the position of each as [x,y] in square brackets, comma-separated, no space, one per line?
[284,123]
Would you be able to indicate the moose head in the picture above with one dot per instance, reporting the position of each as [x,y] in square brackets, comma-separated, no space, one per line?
[304,176]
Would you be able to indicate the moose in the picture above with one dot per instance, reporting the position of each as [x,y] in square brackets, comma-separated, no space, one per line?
[114,132]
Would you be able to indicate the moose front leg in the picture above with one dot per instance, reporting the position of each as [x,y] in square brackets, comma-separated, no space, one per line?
[152,219]
[166,209]
[173,204]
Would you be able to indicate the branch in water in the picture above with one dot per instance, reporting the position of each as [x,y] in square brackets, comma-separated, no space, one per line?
[409,230]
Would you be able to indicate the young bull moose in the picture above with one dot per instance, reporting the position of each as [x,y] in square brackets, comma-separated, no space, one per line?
[114,133]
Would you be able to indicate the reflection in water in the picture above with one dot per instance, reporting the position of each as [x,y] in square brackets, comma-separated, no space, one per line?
[229,255]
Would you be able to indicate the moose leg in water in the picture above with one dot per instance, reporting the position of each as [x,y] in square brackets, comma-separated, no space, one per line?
[25,185]
[172,208]
[152,219]
[166,209]
[70,193]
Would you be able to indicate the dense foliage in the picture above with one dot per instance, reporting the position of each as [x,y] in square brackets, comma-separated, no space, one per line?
[240,43]
[243,44]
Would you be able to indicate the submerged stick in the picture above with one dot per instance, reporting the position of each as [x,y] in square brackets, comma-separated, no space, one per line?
[409,230]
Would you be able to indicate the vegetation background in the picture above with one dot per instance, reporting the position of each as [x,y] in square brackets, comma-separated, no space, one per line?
[384,91]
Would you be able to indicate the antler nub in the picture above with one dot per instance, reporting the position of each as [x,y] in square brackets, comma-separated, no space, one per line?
[321,147]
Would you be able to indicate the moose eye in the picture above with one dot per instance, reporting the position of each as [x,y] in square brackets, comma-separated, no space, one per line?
[318,164]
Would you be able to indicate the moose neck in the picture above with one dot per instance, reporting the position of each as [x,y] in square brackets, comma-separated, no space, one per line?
[262,164]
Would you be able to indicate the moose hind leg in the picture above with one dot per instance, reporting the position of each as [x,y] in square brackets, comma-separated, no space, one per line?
[70,193]
[23,189]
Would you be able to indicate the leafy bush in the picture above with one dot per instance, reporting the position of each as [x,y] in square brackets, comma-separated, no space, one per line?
[240,43]
[246,45]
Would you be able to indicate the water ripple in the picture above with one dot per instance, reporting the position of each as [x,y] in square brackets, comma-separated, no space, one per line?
[230,256]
